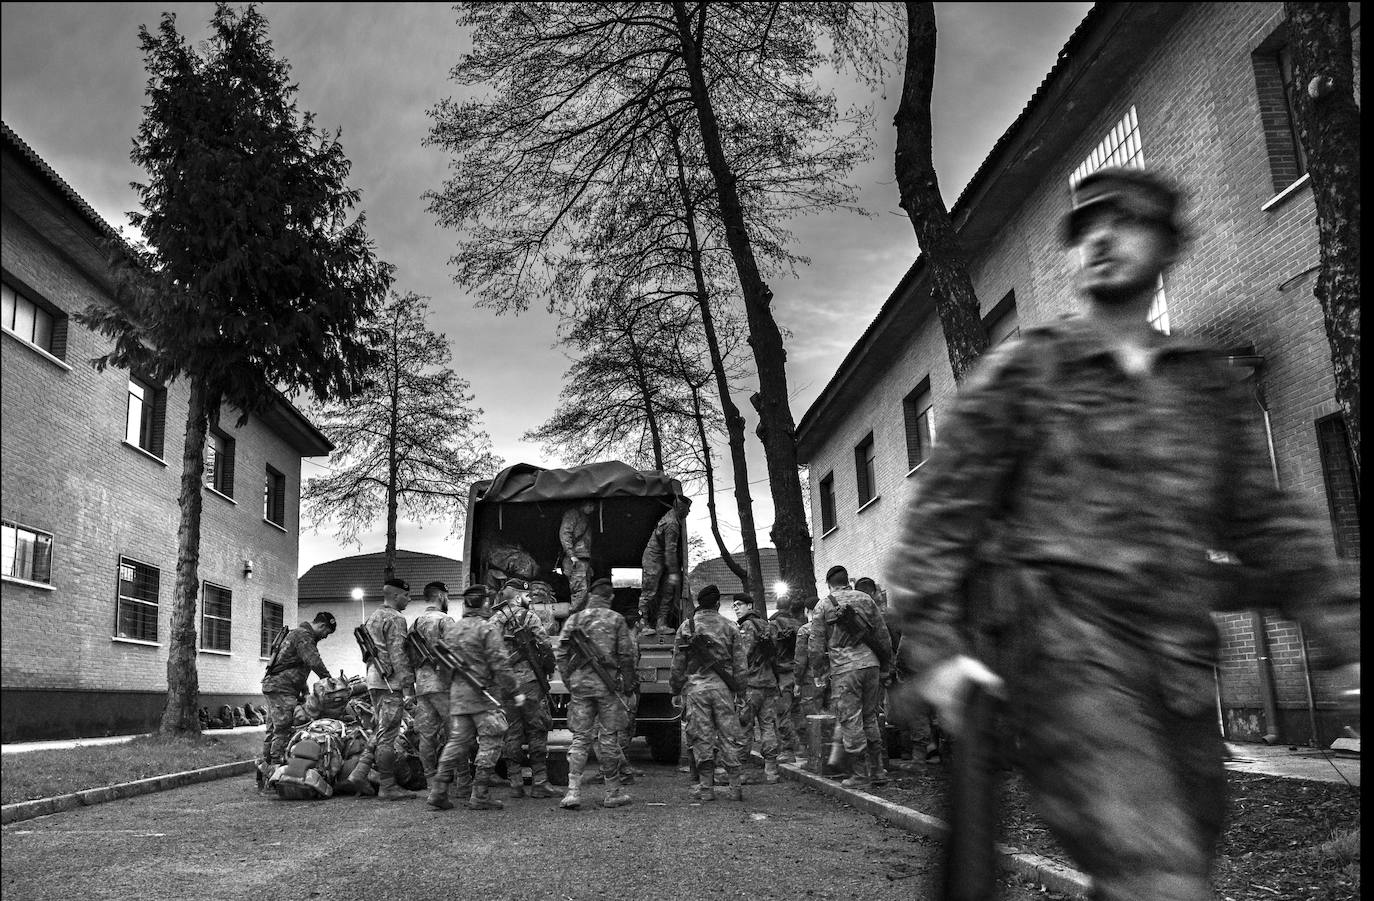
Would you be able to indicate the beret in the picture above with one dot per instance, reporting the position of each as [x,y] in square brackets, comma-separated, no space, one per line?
[398,583]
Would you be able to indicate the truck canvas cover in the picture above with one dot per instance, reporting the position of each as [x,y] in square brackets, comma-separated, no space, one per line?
[527,484]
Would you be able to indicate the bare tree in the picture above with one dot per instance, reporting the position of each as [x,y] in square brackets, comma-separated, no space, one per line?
[409,442]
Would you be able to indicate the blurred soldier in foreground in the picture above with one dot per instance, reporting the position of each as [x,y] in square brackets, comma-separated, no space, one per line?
[527,647]
[1096,480]
[708,671]
[575,536]
[849,632]
[596,661]
[432,682]
[284,683]
[480,680]
[390,681]
[757,638]
[662,570]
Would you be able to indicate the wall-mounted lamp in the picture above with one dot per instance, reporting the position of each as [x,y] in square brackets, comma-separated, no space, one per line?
[248,569]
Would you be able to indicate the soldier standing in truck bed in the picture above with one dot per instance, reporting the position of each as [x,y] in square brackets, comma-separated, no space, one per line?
[662,570]
[388,694]
[575,538]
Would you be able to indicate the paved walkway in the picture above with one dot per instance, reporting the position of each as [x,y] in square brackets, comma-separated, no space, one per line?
[63,743]
[1317,764]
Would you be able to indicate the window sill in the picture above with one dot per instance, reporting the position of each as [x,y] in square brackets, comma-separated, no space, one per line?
[29,583]
[221,494]
[147,453]
[276,525]
[870,502]
[56,361]
[215,652]
[1278,199]
[138,641]
[912,471]
[831,531]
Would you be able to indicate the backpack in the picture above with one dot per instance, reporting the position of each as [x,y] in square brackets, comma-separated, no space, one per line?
[314,759]
[329,698]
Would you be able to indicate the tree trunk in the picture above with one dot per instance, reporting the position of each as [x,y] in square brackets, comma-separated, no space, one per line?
[646,394]
[776,428]
[740,572]
[734,421]
[180,716]
[1328,122]
[392,462]
[955,300]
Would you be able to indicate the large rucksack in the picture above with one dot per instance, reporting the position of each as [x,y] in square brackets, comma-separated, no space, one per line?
[329,698]
[314,759]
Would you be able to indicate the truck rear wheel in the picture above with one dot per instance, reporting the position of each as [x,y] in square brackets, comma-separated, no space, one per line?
[665,743]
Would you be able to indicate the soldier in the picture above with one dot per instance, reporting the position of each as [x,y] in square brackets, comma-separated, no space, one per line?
[388,694]
[786,621]
[849,633]
[758,638]
[662,569]
[284,683]
[476,714]
[596,660]
[808,694]
[708,671]
[575,535]
[432,683]
[527,723]
[1094,497]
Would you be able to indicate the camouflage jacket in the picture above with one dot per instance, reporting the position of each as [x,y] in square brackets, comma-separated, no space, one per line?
[662,549]
[690,670]
[434,625]
[294,662]
[833,642]
[477,642]
[785,628]
[801,658]
[510,619]
[388,629]
[1085,496]
[753,630]
[575,534]
[611,638]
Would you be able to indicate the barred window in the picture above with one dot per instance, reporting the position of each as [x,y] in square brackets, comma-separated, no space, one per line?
[136,613]
[273,618]
[25,553]
[216,617]
[827,503]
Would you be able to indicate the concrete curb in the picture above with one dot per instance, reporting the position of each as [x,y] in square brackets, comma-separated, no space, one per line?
[27,810]
[1049,873]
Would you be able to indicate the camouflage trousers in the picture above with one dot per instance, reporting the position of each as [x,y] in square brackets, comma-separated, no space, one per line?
[579,578]
[486,729]
[528,725]
[656,596]
[281,714]
[791,726]
[625,735]
[762,707]
[857,697]
[388,709]
[713,722]
[599,719]
[431,725]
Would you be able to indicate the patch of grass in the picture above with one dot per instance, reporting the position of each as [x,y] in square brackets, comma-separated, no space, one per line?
[1341,850]
[44,774]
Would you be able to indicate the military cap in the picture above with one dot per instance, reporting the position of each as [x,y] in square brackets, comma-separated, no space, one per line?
[324,616]
[398,583]
[437,586]
[708,595]
[602,584]
[475,591]
[517,583]
[1141,195]
[834,571]
[743,597]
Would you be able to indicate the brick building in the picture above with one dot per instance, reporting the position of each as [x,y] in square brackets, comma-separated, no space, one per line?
[1194,90]
[91,473]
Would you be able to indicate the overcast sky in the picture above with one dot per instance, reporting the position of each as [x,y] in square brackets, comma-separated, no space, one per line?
[72,86]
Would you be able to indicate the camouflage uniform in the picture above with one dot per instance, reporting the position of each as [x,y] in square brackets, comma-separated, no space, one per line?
[528,723]
[387,626]
[761,691]
[473,718]
[284,685]
[661,558]
[708,704]
[808,695]
[432,689]
[855,679]
[1100,493]
[575,535]
[593,704]
[790,725]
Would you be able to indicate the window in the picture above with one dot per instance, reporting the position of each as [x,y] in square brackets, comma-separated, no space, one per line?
[920,429]
[219,462]
[147,410]
[25,553]
[1123,147]
[216,617]
[1342,488]
[1273,66]
[827,503]
[31,321]
[273,618]
[136,616]
[863,469]
[274,498]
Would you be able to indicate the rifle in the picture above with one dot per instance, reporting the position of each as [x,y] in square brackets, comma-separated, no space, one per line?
[420,650]
[451,659]
[368,646]
[524,646]
[583,645]
[278,642]
[704,647]
[970,865]
[765,650]
[858,624]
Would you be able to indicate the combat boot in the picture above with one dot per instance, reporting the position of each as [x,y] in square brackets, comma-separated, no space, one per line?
[736,789]
[615,795]
[362,786]
[390,791]
[860,778]
[877,773]
[438,799]
[664,631]
[572,800]
[517,781]
[481,798]
[771,776]
[705,790]
[544,790]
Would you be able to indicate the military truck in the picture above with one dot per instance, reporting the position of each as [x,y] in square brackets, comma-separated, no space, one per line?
[512,532]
